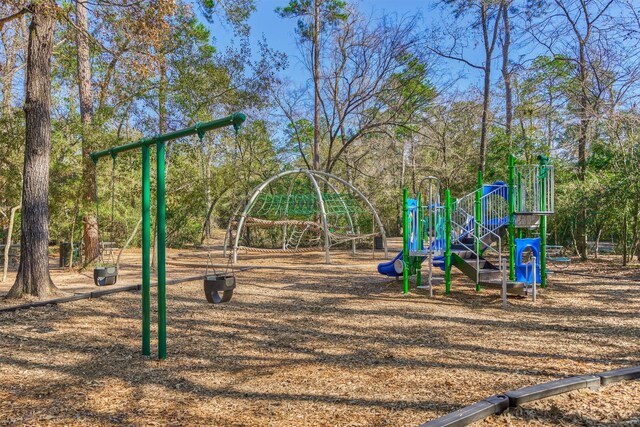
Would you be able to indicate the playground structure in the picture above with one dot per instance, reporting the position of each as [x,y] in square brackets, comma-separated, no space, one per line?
[302,210]
[468,233]
[199,129]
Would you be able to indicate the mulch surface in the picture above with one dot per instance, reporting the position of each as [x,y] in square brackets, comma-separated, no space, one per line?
[313,344]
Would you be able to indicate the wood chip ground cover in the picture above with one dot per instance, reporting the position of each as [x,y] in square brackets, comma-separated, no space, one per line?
[317,345]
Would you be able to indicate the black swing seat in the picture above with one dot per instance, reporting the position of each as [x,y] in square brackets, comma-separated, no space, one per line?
[105,276]
[216,284]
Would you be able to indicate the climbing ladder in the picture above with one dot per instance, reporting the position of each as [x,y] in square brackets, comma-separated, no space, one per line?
[296,237]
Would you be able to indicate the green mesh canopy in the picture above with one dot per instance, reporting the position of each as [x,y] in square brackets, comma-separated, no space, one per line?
[303,206]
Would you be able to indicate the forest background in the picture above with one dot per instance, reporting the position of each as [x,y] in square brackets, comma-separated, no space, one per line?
[378,94]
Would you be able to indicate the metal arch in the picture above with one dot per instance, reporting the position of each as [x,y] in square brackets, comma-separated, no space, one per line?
[323,212]
[309,173]
[362,196]
[227,235]
[346,209]
[249,205]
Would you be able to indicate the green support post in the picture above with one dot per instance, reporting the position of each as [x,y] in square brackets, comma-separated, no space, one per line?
[146,248]
[543,222]
[162,236]
[418,234]
[512,218]
[478,220]
[405,241]
[235,120]
[447,239]
[519,203]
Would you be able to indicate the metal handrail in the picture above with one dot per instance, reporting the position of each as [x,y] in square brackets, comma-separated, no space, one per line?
[535,189]
[497,250]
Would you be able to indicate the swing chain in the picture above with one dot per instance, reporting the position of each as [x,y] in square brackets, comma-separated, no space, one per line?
[95,188]
[113,198]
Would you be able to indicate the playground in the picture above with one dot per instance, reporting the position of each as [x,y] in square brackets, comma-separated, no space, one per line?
[306,343]
[319,213]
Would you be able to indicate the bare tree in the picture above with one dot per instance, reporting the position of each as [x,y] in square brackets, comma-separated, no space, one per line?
[371,82]
[582,32]
[506,72]
[320,14]
[13,39]
[486,15]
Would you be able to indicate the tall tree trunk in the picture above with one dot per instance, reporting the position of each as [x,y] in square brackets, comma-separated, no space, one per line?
[582,149]
[486,99]
[316,84]
[634,228]
[412,148]
[489,45]
[506,74]
[7,247]
[624,237]
[33,272]
[90,222]
[162,128]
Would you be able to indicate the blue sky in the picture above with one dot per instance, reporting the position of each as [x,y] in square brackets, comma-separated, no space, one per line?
[280,33]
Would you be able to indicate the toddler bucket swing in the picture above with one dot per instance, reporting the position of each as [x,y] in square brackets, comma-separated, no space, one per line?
[106,273]
[218,288]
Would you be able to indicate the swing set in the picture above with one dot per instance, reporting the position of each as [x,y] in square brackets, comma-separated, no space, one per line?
[145,144]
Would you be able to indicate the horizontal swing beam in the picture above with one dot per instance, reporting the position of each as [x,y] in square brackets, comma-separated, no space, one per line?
[235,120]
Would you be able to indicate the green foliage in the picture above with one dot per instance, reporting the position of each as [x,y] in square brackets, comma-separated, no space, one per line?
[235,12]
[331,13]
[406,121]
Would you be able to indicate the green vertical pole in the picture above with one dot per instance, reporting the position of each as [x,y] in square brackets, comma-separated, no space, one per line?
[418,259]
[405,241]
[146,248]
[162,273]
[447,240]
[519,202]
[478,220]
[512,217]
[543,222]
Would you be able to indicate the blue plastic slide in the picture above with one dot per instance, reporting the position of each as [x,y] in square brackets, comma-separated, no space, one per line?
[387,268]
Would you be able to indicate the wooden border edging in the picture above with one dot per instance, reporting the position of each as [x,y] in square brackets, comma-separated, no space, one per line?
[499,403]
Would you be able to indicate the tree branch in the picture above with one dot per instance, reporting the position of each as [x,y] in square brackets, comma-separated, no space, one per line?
[16,15]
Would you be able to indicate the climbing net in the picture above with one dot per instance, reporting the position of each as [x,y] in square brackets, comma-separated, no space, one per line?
[301,211]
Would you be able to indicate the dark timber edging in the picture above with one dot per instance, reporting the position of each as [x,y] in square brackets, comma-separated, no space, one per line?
[99,293]
[552,388]
[614,376]
[497,404]
[478,411]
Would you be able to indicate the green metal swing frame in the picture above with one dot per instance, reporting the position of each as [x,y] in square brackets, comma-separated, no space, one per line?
[200,128]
